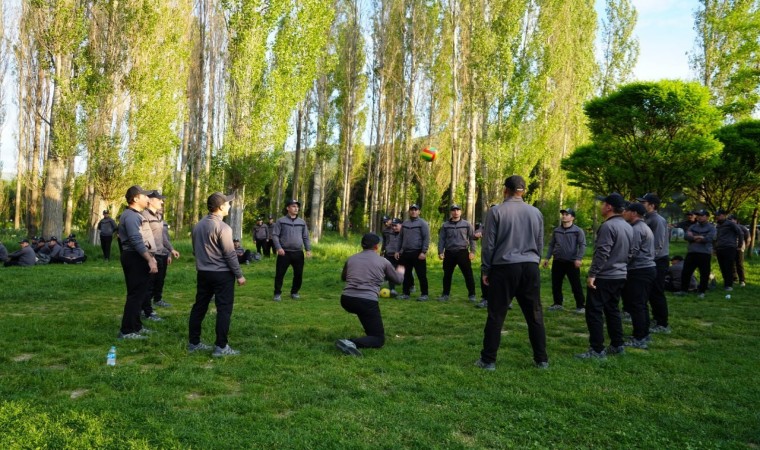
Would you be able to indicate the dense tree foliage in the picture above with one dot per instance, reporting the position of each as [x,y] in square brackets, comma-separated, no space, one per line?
[647,137]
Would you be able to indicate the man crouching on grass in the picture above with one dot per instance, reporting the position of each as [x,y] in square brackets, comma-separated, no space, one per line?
[364,273]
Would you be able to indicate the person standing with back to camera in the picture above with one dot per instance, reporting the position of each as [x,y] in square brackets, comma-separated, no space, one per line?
[510,253]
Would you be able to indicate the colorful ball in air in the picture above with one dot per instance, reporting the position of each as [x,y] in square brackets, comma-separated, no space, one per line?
[429,154]
[385,293]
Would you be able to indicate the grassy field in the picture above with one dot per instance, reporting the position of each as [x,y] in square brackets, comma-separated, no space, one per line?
[290,388]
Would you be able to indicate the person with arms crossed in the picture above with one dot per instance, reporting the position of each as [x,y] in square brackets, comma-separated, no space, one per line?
[510,253]
[364,273]
[218,269]
[700,237]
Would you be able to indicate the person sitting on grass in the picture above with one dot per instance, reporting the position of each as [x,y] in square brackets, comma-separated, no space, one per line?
[244,256]
[3,253]
[22,257]
[364,273]
[72,254]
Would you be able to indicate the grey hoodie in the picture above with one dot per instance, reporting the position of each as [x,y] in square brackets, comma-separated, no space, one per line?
[707,231]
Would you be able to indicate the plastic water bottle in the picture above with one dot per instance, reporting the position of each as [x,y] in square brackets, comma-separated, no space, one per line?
[111,358]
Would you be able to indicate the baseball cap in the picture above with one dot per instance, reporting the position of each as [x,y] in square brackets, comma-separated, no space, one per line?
[370,240]
[396,221]
[649,198]
[414,206]
[23,240]
[515,183]
[53,238]
[236,240]
[731,217]
[638,208]
[386,218]
[701,212]
[691,213]
[293,202]
[455,206]
[217,199]
[614,199]
[720,211]
[134,191]
[156,194]
[105,211]
[570,211]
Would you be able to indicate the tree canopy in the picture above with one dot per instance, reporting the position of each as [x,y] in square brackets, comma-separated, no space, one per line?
[647,137]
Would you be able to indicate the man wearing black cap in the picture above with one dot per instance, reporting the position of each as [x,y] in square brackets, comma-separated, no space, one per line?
[53,250]
[641,275]
[218,269]
[137,262]
[392,244]
[699,253]
[659,226]
[606,278]
[728,237]
[163,253]
[364,273]
[512,246]
[23,257]
[415,240]
[691,219]
[567,246]
[71,254]
[261,236]
[106,228]
[290,237]
[387,231]
[456,247]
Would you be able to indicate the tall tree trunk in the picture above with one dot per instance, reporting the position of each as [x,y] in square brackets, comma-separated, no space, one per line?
[237,211]
[472,179]
[182,181]
[297,155]
[456,154]
[317,202]
[69,197]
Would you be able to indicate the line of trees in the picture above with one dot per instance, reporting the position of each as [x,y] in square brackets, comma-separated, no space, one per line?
[191,97]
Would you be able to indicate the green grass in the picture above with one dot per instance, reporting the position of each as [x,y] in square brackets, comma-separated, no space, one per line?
[695,388]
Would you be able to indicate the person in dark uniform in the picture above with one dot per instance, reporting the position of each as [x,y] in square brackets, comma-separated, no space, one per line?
[261,236]
[511,250]
[456,247]
[106,228]
[218,269]
[387,230]
[392,244]
[364,273]
[700,237]
[244,256]
[137,262]
[640,276]
[23,257]
[606,278]
[658,302]
[54,250]
[72,254]
[740,249]
[290,237]
[415,240]
[567,246]
[163,253]
[729,237]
